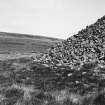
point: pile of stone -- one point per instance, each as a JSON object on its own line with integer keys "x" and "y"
{"x": 79, "y": 62}
{"x": 88, "y": 45}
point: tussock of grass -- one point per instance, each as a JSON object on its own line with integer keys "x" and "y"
{"x": 26, "y": 89}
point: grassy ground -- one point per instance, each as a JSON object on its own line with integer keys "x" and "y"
{"x": 25, "y": 82}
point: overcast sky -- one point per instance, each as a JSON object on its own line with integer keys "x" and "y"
{"x": 53, "y": 18}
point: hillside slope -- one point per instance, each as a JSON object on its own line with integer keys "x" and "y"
{"x": 22, "y": 43}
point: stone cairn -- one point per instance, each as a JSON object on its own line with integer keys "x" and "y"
{"x": 88, "y": 45}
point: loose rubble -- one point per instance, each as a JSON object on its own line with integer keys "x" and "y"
{"x": 88, "y": 45}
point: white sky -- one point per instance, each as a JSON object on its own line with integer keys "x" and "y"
{"x": 53, "y": 18}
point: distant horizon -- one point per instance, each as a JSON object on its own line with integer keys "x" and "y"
{"x": 49, "y": 18}
{"x": 30, "y": 35}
